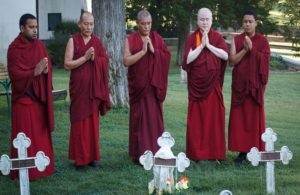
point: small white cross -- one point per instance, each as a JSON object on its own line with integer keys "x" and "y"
{"x": 226, "y": 192}
{"x": 23, "y": 163}
{"x": 163, "y": 163}
{"x": 270, "y": 156}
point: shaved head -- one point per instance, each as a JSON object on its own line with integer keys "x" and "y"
{"x": 143, "y": 14}
{"x": 204, "y": 20}
{"x": 204, "y": 11}
{"x": 85, "y": 13}
{"x": 86, "y": 23}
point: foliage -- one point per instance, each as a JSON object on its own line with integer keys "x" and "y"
{"x": 174, "y": 18}
{"x": 56, "y": 45}
{"x": 169, "y": 16}
{"x": 278, "y": 64}
{"x": 262, "y": 10}
{"x": 291, "y": 30}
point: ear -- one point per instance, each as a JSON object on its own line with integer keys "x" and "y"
{"x": 22, "y": 29}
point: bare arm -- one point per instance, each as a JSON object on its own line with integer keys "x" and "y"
{"x": 128, "y": 58}
{"x": 69, "y": 63}
{"x": 193, "y": 54}
{"x": 220, "y": 53}
{"x": 235, "y": 58}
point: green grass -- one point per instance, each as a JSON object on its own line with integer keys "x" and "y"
{"x": 117, "y": 175}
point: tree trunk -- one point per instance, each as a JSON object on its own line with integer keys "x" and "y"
{"x": 184, "y": 30}
{"x": 110, "y": 27}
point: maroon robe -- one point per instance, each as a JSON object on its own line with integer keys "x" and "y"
{"x": 89, "y": 94}
{"x": 205, "y": 136}
{"x": 249, "y": 79}
{"x": 147, "y": 83}
{"x": 32, "y": 105}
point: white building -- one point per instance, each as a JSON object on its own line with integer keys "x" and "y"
{"x": 48, "y": 12}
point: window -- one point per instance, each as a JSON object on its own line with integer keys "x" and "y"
{"x": 53, "y": 20}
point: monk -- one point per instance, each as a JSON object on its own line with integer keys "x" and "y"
{"x": 30, "y": 72}
{"x": 205, "y": 58}
{"x": 86, "y": 57}
{"x": 250, "y": 57}
{"x": 147, "y": 58}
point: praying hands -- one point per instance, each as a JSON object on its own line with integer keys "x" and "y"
{"x": 41, "y": 67}
{"x": 247, "y": 44}
{"x": 89, "y": 54}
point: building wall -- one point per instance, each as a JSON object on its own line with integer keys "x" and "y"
{"x": 10, "y": 13}
{"x": 69, "y": 9}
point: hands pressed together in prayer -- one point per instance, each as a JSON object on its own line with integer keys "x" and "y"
{"x": 41, "y": 67}
{"x": 89, "y": 54}
{"x": 247, "y": 44}
{"x": 193, "y": 54}
{"x": 205, "y": 41}
{"x": 130, "y": 59}
{"x": 147, "y": 44}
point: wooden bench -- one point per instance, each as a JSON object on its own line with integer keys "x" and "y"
{"x": 5, "y": 82}
{"x": 60, "y": 94}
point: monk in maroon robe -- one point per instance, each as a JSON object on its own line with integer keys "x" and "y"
{"x": 30, "y": 71}
{"x": 250, "y": 57}
{"x": 204, "y": 60}
{"x": 86, "y": 58}
{"x": 147, "y": 58}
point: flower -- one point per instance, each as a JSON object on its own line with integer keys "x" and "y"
{"x": 182, "y": 184}
{"x": 169, "y": 181}
{"x": 184, "y": 179}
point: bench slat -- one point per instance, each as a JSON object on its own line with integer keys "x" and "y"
{"x": 3, "y": 72}
{"x": 57, "y": 94}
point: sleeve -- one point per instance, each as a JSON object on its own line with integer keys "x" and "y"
{"x": 162, "y": 58}
{"x": 263, "y": 59}
{"x": 187, "y": 47}
{"x": 222, "y": 45}
{"x": 15, "y": 72}
{"x": 100, "y": 87}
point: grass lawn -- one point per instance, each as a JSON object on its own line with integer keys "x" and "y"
{"x": 117, "y": 175}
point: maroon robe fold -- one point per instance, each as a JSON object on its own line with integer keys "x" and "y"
{"x": 89, "y": 94}
{"x": 205, "y": 136}
{"x": 147, "y": 83}
{"x": 32, "y": 105}
{"x": 249, "y": 79}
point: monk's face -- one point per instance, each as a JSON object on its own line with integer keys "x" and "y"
{"x": 204, "y": 20}
{"x": 29, "y": 30}
{"x": 249, "y": 24}
{"x": 86, "y": 25}
{"x": 144, "y": 25}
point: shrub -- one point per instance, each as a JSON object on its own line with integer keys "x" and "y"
{"x": 277, "y": 63}
{"x": 56, "y": 45}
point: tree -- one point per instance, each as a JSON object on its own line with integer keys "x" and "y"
{"x": 168, "y": 16}
{"x": 178, "y": 15}
{"x": 291, "y": 10}
{"x": 262, "y": 10}
{"x": 110, "y": 26}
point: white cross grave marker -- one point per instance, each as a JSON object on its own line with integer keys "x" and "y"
{"x": 23, "y": 163}
{"x": 225, "y": 192}
{"x": 163, "y": 163}
{"x": 270, "y": 156}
